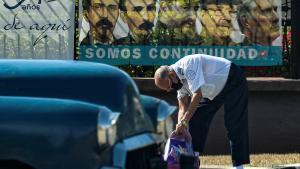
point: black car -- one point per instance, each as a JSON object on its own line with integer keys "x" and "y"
{"x": 136, "y": 125}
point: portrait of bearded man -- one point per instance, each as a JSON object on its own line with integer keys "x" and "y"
{"x": 102, "y": 16}
{"x": 140, "y": 16}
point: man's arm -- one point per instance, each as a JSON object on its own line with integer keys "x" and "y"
{"x": 181, "y": 129}
{"x": 183, "y": 104}
{"x": 196, "y": 98}
{"x": 185, "y": 117}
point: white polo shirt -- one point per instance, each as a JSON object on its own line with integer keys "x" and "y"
{"x": 200, "y": 71}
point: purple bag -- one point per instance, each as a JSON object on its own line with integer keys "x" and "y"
{"x": 175, "y": 147}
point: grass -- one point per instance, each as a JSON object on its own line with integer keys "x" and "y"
{"x": 257, "y": 160}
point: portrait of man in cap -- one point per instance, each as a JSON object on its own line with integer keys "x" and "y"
{"x": 217, "y": 17}
{"x": 177, "y": 22}
{"x": 102, "y": 16}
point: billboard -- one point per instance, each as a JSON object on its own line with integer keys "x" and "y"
{"x": 156, "y": 32}
{"x": 37, "y": 29}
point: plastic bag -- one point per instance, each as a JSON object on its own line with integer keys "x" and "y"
{"x": 176, "y": 148}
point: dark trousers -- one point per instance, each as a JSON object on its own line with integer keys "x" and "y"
{"x": 234, "y": 97}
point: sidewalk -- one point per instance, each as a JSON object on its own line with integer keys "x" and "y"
{"x": 227, "y": 167}
{"x": 288, "y": 166}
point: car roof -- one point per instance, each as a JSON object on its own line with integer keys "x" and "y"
{"x": 90, "y": 82}
{"x": 14, "y": 67}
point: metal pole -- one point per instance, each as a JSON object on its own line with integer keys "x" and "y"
{"x": 295, "y": 59}
{"x": 4, "y": 46}
{"x": 63, "y": 48}
{"x": 19, "y": 46}
{"x": 76, "y": 30}
{"x": 31, "y": 47}
{"x": 59, "y": 45}
{"x": 286, "y": 49}
{"x": 46, "y": 48}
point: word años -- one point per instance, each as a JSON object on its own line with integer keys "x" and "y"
{"x": 25, "y": 7}
{"x": 30, "y": 7}
{"x": 18, "y": 4}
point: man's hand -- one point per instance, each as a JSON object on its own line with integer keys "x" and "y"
{"x": 182, "y": 131}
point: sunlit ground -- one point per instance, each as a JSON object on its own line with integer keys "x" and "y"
{"x": 257, "y": 160}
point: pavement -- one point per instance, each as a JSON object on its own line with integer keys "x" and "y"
{"x": 228, "y": 167}
{"x": 287, "y": 166}
{"x": 290, "y": 166}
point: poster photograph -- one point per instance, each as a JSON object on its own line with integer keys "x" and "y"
{"x": 156, "y": 32}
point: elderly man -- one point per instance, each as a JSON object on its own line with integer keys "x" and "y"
{"x": 102, "y": 16}
{"x": 259, "y": 22}
{"x": 204, "y": 83}
{"x": 140, "y": 16}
